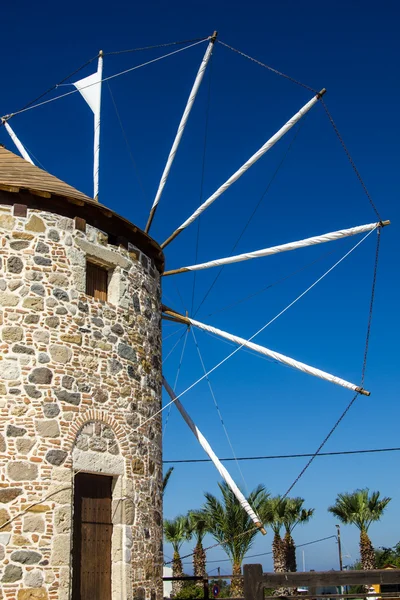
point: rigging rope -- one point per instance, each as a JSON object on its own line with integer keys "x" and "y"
{"x": 218, "y": 410}
{"x": 364, "y": 366}
{"x": 149, "y": 62}
{"x": 271, "y": 285}
{"x": 265, "y": 192}
{"x": 176, "y": 378}
{"x": 53, "y": 87}
{"x": 356, "y": 171}
{"x": 203, "y": 39}
{"x": 258, "y": 62}
{"x": 258, "y": 332}
{"x": 134, "y": 163}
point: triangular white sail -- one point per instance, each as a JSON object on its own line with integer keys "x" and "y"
{"x": 18, "y": 143}
{"x": 217, "y": 463}
{"x": 90, "y": 89}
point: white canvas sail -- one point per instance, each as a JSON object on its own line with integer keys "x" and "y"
{"x": 90, "y": 89}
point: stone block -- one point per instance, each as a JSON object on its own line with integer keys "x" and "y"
{"x": 32, "y": 391}
{"x": 47, "y": 428}
{"x": 34, "y": 522}
{"x": 21, "y": 349}
{"x": 25, "y": 445}
{"x": 61, "y": 549}
{"x": 60, "y": 354}
{"x": 56, "y": 457}
{"x": 62, "y": 519}
{"x": 4, "y": 517}
{"x": 12, "y": 334}
{"x": 53, "y": 322}
{"x": 51, "y": 410}
{"x": 14, "y": 264}
{"x": 7, "y": 299}
{"x": 41, "y": 375}
{"x": 59, "y": 280}
{"x": 33, "y": 303}
{"x": 12, "y": 573}
{"x": 34, "y": 579}
{"x": 7, "y": 222}
{"x": 38, "y": 288}
{"x": 26, "y": 557}
{"x": 19, "y": 470}
{"x": 103, "y": 254}
{"x": 9, "y": 370}
{"x": 43, "y": 358}
{"x": 35, "y": 224}
{"x": 33, "y": 594}
{"x": 127, "y": 352}
{"x": 70, "y": 397}
{"x": 13, "y": 431}
{"x": 41, "y": 336}
{"x": 9, "y": 494}
{"x": 72, "y": 338}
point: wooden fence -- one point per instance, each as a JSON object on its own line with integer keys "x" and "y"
{"x": 255, "y": 581}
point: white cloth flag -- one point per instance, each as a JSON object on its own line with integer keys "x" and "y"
{"x": 90, "y": 89}
{"x": 217, "y": 463}
{"x": 18, "y": 143}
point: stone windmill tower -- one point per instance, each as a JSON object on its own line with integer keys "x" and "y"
{"x": 80, "y": 371}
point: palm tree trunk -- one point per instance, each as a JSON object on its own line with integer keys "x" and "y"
{"x": 367, "y": 552}
{"x": 199, "y": 563}
{"x": 290, "y": 553}
{"x": 278, "y": 553}
{"x": 237, "y": 588}
{"x": 177, "y": 571}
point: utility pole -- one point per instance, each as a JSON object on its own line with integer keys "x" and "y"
{"x": 340, "y": 553}
{"x": 339, "y": 548}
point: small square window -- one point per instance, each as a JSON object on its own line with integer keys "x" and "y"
{"x": 96, "y": 281}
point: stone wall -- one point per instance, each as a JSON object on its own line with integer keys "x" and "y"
{"x": 77, "y": 379}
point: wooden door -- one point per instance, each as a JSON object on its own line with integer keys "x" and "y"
{"x": 92, "y": 537}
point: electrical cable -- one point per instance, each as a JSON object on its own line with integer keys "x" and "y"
{"x": 281, "y": 456}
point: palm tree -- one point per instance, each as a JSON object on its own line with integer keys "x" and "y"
{"x": 166, "y": 479}
{"x": 176, "y": 531}
{"x": 294, "y": 515}
{"x": 361, "y": 508}
{"x": 276, "y": 513}
{"x": 198, "y": 525}
{"x": 230, "y": 525}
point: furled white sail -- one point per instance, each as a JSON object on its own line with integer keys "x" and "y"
{"x": 217, "y": 463}
{"x": 286, "y": 360}
{"x": 253, "y": 159}
{"x": 181, "y": 128}
{"x": 311, "y": 241}
{"x": 18, "y": 143}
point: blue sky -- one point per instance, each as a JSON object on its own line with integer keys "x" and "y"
{"x": 351, "y": 48}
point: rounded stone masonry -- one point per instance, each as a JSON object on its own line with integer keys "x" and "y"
{"x": 80, "y": 371}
